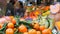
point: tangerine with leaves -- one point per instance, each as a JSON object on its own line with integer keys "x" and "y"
{"x": 1, "y": 25}
{"x": 32, "y": 31}
{"x": 11, "y": 17}
{"x": 36, "y": 26}
{"x": 42, "y": 28}
{"x": 10, "y": 25}
{"x": 46, "y": 31}
{"x": 9, "y": 31}
{"x": 13, "y": 21}
{"x": 22, "y": 28}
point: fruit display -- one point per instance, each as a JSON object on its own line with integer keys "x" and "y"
{"x": 36, "y": 21}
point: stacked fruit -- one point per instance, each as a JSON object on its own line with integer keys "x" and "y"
{"x": 33, "y": 12}
{"x": 16, "y": 26}
{"x": 36, "y": 22}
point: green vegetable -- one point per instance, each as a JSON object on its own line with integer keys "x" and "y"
{"x": 47, "y": 24}
{"x": 51, "y": 23}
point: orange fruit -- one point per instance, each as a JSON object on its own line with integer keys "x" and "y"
{"x": 42, "y": 28}
{"x": 10, "y": 25}
{"x": 1, "y": 25}
{"x": 58, "y": 25}
{"x": 46, "y": 8}
{"x": 13, "y": 21}
{"x": 37, "y": 12}
{"x": 32, "y": 31}
{"x": 36, "y": 26}
{"x": 9, "y": 31}
{"x": 11, "y": 17}
{"x": 15, "y": 29}
{"x": 50, "y": 31}
{"x": 38, "y": 32}
{"x": 22, "y": 28}
{"x": 46, "y": 31}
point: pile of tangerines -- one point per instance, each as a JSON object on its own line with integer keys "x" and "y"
{"x": 22, "y": 28}
{"x": 37, "y": 29}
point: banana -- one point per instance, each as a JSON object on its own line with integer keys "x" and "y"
{"x": 46, "y": 13}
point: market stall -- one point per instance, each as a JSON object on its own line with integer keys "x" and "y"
{"x": 43, "y": 19}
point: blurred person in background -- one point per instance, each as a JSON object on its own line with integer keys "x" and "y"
{"x": 39, "y": 2}
{"x": 15, "y": 7}
{"x": 19, "y": 9}
{"x": 58, "y": 0}
{"x": 10, "y": 8}
{"x": 23, "y": 1}
{"x": 48, "y": 2}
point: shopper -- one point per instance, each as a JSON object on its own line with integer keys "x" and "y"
{"x": 58, "y": 0}
{"x": 19, "y": 9}
{"x": 10, "y": 8}
{"x": 39, "y": 2}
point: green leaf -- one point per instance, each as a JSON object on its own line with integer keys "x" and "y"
{"x": 28, "y": 25}
{"x": 20, "y": 33}
{"x": 16, "y": 31}
{"x": 17, "y": 22}
{"x": 4, "y": 27}
{"x": 1, "y": 32}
